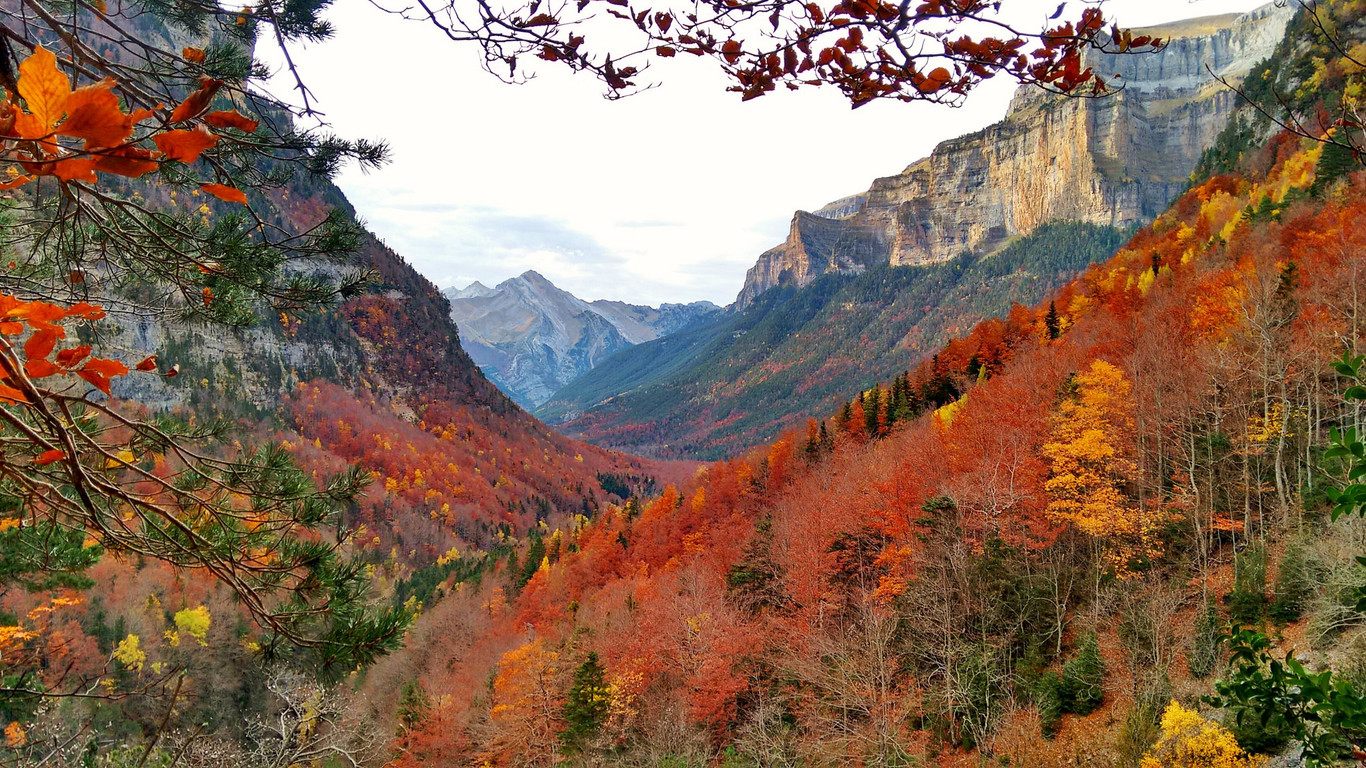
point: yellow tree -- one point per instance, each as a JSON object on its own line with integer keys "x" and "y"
{"x": 1190, "y": 741}
{"x": 1088, "y": 468}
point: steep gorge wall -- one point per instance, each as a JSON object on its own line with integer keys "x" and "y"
{"x": 1112, "y": 161}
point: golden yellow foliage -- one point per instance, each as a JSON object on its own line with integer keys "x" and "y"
{"x": 130, "y": 653}
{"x": 194, "y": 622}
{"x": 1190, "y": 741}
{"x": 1087, "y": 471}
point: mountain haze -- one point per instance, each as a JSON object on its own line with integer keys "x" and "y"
{"x": 531, "y": 337}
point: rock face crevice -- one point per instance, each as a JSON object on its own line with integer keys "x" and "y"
{"x": 1113, "y": 161}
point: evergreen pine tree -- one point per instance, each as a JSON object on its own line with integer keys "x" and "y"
{"x": 1336, "y": 161}
{"x": 1083, "y": 678}
{"x": 413, "y": 705}
{"x": 756, "y": 581}
{"x": 872, "y": 409}
{"x": 1051, "y": 322}
{"x": 586, "y": 707}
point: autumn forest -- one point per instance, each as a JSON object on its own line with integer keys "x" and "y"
{"x": 1097, "y": 499}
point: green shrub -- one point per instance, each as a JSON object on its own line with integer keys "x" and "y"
{"x": 1141, "y": 730}
{"x": 1247, "y": 600}
{"x": 1204, "y": 648}
{"x": 1296, "y": 581}
{"x": 1083, "y": 678}
{"x": 1079, "y": 690}
{"x": 1048, "y": 696}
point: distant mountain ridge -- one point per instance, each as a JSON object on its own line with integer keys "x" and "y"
{"x": 531, "y": 337}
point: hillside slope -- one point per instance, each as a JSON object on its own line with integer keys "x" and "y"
{"x": 1030, "y": 572}
{"x": 713, "y": 390}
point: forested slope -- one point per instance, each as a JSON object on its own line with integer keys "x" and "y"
{"x": 713, "y": 390}
{"x": 1029, "y": 563}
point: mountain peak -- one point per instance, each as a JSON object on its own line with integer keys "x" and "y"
{"x": 472, "y": 291}
{"x": 532, "y": 337}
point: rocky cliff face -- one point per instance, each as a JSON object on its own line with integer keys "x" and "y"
{"x": 531, "y": 338}
{"x": 1112, "y": 161}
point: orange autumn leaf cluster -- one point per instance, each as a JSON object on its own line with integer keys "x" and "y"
{"x": 43, "y": 360}
{"x": 51, "y": 111}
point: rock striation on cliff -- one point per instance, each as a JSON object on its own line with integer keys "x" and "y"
{"x": 1111, "y": 161}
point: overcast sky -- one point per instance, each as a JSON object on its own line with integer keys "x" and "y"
{"x": 668, "y": 195}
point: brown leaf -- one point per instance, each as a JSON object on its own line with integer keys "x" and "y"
{"x": 225, "y": 193}
{"x": 197, "y": 102}
{"x": 93, "y": 114}
{"x": 231, "y": 118}
{"x": 127, "y": 161}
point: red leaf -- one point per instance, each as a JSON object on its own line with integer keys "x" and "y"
{"x": 40, "y": 344}
{"x": 72, "y": 355}
{"x": 98, "y": 372}
{"x": 11, "y": 395}
{"x": 106, "y": 367}
{"x": 97, "y": 380}
{"x": 85, "y": 311}
{"x": 41, "y": 368}
{"x": 149, "y": 363}
{"x": 47, "y": 457}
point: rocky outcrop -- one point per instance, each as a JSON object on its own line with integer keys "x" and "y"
{"x": 1114, "y": 161}
{"x": 531, "y": 338}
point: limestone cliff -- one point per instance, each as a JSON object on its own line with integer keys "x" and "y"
{"x": 1114, "y": 161}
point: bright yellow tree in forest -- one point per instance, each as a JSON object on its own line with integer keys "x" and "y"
{"x": 1190, "y": 741}
{"x": 1088, "y": 470}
